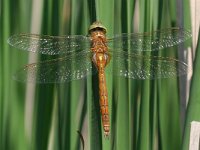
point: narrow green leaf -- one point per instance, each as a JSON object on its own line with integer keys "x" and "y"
{"x": 193, "y": 110}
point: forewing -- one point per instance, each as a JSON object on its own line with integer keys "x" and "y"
{"x": 151, "y": 41}
{"x": 71, "y": 67}
{"x": 51, "y": 45}
{"x": 146, "y": 67}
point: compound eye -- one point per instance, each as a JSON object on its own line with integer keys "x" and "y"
{"x": 97, "y": 26}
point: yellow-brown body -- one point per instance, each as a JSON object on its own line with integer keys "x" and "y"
{"x": 101, "y": 59}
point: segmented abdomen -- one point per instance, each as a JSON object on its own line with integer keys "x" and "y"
{"x": 103, "y": 94}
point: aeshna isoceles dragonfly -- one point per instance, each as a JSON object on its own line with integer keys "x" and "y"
{"x": 79, "y": 52}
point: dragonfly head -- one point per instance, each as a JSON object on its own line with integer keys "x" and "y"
{"x": 97, "y": 25}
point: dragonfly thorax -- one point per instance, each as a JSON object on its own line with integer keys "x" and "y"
{"x": 99, "y": 49}
{"x": 99, "y": 42}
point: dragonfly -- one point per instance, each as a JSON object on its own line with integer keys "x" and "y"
{"x": 78, "y": 54}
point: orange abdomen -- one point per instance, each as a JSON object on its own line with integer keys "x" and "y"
{"x": 103, "y": 94}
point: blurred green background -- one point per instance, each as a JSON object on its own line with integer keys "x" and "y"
{"x": 145, "y": 115}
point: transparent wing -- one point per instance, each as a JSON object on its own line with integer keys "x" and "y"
{"x": 59, "y": 70}
{"x": 149, "y": 41}
{"x": 146, "y": 67}
{"x": 51, "y": 45}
